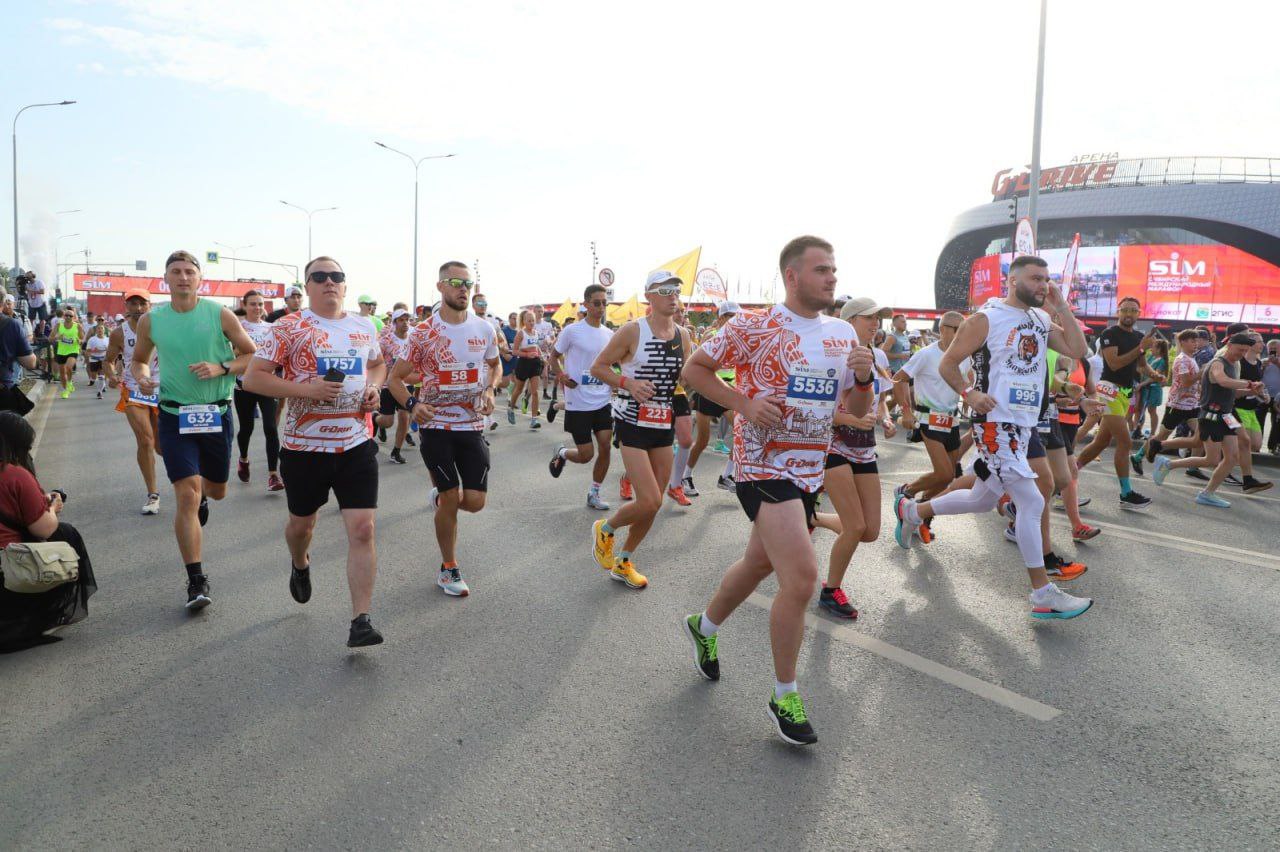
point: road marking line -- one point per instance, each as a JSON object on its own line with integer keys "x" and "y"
{"x": 969, "y": 683}
{"x": 1197, "y": 488}
{"x": 1186, "y": 545}
{"x": 43, "y": 407}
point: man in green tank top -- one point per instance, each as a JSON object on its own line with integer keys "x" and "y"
{"x": 202, "y": 347}
{"x": 67, "y": 337}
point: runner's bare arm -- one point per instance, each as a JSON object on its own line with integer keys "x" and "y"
{"x": 400, "y": 371}
{"x": 140, "y": 368}
{"x": 618, "y": 350}
{"x": 1066, "y": 337}
{"x": 240, "y": 341}
{"x": 858, "y": 399}
{"x": 115, "y": 346}
{"x": 968, "y": 340}
{"x": 700, "y": 375}
{"x": 902, "y": 396}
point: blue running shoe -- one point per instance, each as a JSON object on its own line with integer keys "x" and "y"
{"x": 1161, "y": 470}
{"x": 1204, "y": 498}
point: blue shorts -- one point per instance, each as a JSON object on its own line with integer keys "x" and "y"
{"x": 207, "y": 454}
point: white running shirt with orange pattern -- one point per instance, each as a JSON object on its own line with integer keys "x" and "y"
{"x": 451, "y": 359}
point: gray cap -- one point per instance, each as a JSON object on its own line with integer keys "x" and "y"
{"x": 864, "y": 306}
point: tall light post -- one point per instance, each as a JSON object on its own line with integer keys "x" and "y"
{"x": 1033, "y": 205}
{"x": 416, "y": 163}
{"x": 15, "y": 170}
{"x": 57, "y": 272}
{"x": 309, "y": 213}
{"x": 235, "y": 250}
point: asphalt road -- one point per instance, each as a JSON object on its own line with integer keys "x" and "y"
{"x": 556, "y": 708}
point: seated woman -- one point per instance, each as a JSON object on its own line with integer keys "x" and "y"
{"x": 28, "y": 513}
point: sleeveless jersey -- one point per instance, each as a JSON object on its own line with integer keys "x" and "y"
{"x": 1010, "y": 364}
{"x": 656, "y": 361}
{"x": 130, "y": 340}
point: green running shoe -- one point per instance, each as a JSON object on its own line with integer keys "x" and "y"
{"x": 790, "y": 719}
{"x": 705, "y": 658}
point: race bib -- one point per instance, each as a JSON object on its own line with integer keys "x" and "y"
{"x": 346, "y": 360}
{"x": 1231, "y": 421}
{"x": 588, "y": 379}
{"x": 941, "y": 422}
{"x": 1044, "y": 427}
{"x": 139, "y": 398}
{"x": 653, "y": 416}
{"x": 199, "y": 419}
{"x": 458, "y": 376}
{"x": 1024, "y": 396}
{"x": 812, "y": 388}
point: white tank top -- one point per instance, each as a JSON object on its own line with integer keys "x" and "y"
{"x": 130, "y": 340}
{"x": 1010, "y": 365}
{"x": 656, "y": 361}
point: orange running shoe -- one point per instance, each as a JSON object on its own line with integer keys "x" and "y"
{"x": 624, "y": 488}
{"x": 1060, "y": 569}
{"x": 678, "y": 495}
{"x": 1084, "y": 532}
{"x": 925, "y": 533}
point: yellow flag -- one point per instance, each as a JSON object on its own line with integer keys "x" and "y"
{"x": 563, "y": 312}
{"x": 627, "y": 311}
{"x": 684, "y": 267}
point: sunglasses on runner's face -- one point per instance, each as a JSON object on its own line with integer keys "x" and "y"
{"x": 321, "y": 277}
{"x": 665, "y": 291}
{"x": 598, "y": 303}
{"x": 460, "y": 283}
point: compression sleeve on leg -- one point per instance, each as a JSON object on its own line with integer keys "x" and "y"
{"x": 1030, "y": 502}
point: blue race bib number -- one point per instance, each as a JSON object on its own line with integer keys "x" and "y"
{"x": 199, "y": 419}
{"x": 588, "y": 379}
{"x": 812, "y": 388}
{"x": 137, "y": 397}
{"x": 350, "y": 365}
{"x": 1025, "y": 397}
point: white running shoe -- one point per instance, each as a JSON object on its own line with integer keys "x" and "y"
{"x": 594, "y": 502}
{"x": 1056, "y": 603}
{"x": 450, "y": 581}
{"x": 152, "y": 506}
{"x": 433, "y": 498}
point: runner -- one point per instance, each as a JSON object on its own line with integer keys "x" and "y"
{"x": 1007, "y": 339}
{"x": 586, "y": 399}
{"x": 852, "y": 476}
{"x": 1219, "y": 426}
{"x": 1123, "y": 353}
{"x": 259, "y": 330}
{"x": 292, "y": 304}
{"x": 193, "y": 339}
{"x": 1183, "y": 406}
{"x": 651, "y": 350}
{"x": 68, "y": 335}
{"x": 1247, "y": 407}
{"x": 395, "y": 346}
{"x": 683, "y": 423}
{"x": 95, "y": 349}
{"x": 529, "y": 366}
{"x": 705, "y": 410}
{"x": 457, "y": 356}
{"x": 331, "y": 372}
{"x": 1073, "y": 391}
{"x": 369, "y": 310}
{"x": 792, "y": 364}
{"x": 938, "y": 405}
{"x": 139, "y": 409}
{"x": 896, "y": 347}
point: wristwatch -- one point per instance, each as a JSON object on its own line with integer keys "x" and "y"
{"x": 226, "y": 368}
{"x": 410, "y": 403}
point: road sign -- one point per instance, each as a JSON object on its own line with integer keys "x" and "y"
{"x": 139, "y": 266}
{"x": 606, "y": 277}
{"x": 211, "y": 257}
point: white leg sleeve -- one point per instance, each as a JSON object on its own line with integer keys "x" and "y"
{"x": 980, "y": 498}
{"x": 1026, "y": 496}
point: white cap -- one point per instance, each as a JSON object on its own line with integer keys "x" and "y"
{"x": 8, "y": 297}
{"x": 294, "y": 288}
{"x": 658, "y": 277}
{"x": 119, "y": 317}
{"x": 728, "y": 308}
{"x": 399, "y": 312}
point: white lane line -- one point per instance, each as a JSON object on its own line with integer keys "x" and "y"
{"x": 1186, "y": 545}
{"x": 1110, "y": 474}
{"x": 40, "y": 416}
{"x": 969, "y": 683}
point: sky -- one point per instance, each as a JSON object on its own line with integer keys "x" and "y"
{"x": 649, "y": 129}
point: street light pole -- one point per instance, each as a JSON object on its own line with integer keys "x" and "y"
{"x": 309, "y": 213}
{"x": 15, "y": 170}
{"x": 1033, "y": 206}
{"x": 56, "y": 270}
{"x": 236, "y": 250}
{"x": 416, "y": 164}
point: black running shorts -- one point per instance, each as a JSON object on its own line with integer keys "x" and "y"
{"x": 528, "y": 368}
{"x": 581, "y": 425}
{"x": 1175, "y": 417}
{"x": 642, "y": 437}
{"x": 752, "y": 494}
{"x": 455, "y": 458}
{"x": 351, "y": 476}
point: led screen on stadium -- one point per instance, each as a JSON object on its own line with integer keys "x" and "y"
{"x": 1218, "y": 284}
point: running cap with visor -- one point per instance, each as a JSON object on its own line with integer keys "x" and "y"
{"x": 138, "y": 293}
{"x": 366, "y": 299}
{"x": 660, "y": 277}
{"x": 864, "y": 306}
{"x": 727, "y": 308}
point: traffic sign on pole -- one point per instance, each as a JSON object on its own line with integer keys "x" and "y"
{"x": 211, "y": 257}
{"x": 606, "y": 277}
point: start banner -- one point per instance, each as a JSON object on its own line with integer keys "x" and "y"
{"x": 119, "y": 284}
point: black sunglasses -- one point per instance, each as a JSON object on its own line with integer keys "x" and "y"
{"x": 321, "y": 277}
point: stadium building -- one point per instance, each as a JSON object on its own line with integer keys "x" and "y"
{"x": 1195, "y": 239}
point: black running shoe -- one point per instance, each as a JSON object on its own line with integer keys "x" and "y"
{"x": 363, "y": 632}
{"x": 1136, "y": 462}
{"x": 300, "y": 583}
{"x": 203, "y": 512}
{"x": 1135, "y": 502}
{"x": 551, "y": 413}
{"x": 837, "y": 603}
{"x": 790, "y": 719}
{"x": 705, "y": 655}
{"x": 1253, "y": 486}
{"x": 408, "y": 440}
{"x": 1232, "y": 479}
{"x": 396, "y": 458}
{"x": 198, "y": 592}
{"x": 1197, "y": 473}
{"x": 382, "y": 434}
{"x": 556, "y": 465}
{"x": 1153, "y": 449}
{"x": 727, "y": 483}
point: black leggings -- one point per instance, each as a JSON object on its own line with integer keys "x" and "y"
{"x": 245, "y": 403}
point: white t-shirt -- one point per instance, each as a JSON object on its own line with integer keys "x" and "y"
{"x": 931, "y": 391}
{"x": 882, "y": 385}
{"x": 35, "y": 293}
{"x": 305, "y": 345}
{"x": 258, "y": 331}
{"x": 96, "y": 347}
{"x": 580, "y": 344}
{"x": 800, "y": 362}
{"x": 452, "y": 360}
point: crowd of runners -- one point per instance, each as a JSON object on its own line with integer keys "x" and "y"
{"x": 1002, "y": 401}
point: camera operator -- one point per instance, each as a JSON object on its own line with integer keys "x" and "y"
{"x": 31, "y": 290}
{"x": 29, "y": 513}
